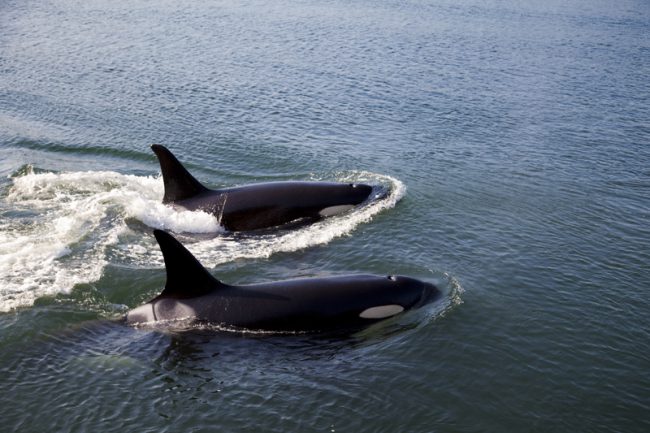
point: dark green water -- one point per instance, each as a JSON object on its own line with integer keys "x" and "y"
{"x": 514, "y": 138}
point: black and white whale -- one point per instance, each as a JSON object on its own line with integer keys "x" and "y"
{"x": 310, "y": 304}
{"x": 261, "y": 205}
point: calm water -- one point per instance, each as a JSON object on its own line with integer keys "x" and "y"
{"x": 514, "y": 138}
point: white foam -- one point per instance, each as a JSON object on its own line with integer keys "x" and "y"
{"x": 64, "y": 228}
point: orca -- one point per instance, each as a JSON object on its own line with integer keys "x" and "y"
{"x": 192, "y": 294}
{"x": 260, "y": 205}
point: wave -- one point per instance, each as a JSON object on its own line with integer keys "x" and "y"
{"x": 59, "y": 230}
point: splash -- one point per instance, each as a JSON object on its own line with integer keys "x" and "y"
{"x": 58, "y": 230}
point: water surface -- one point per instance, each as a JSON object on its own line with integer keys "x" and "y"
{"x": 513, "y": 138}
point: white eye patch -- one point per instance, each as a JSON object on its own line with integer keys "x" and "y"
{"x": 381, "y": 311}
{"x": 335, "y": 210}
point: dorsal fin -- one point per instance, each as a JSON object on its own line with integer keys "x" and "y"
{"x": 179, "y": 183}
{"x": 186, "y": 277}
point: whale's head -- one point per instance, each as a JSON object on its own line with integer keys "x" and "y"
{"x": 416, "y": 293}
{"x": 422, "y": 292}
{"x": 359, "y": 192}
{"x": 392, "y": 294}
{"x": 341, "y": 197}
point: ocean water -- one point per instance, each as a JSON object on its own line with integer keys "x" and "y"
{"x": 513, "y": 138}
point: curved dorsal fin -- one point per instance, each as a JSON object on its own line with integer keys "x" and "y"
{"x": 186, "y": 277}
{"x": 179, "y": 183}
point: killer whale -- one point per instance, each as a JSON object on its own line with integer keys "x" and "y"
{"x": 261, "y": 205}
{"x": 305, "y": 305}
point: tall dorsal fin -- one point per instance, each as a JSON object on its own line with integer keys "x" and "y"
{"x": 186, "y": 277}
{"x": 179, "y": 183}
